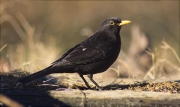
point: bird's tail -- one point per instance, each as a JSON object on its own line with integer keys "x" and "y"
{"x": 36, "y": 75}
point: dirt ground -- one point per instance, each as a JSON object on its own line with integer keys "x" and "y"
{"x": 9, "y": 81}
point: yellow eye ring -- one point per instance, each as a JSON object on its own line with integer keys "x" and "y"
{"x": 111, "y": 23}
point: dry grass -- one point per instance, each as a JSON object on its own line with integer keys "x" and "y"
{"x": 30, "y": 54}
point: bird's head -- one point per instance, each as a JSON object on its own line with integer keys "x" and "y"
{"x": 113, "y": 24}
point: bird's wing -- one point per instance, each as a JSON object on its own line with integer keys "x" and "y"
{"x": 84, "y": 53}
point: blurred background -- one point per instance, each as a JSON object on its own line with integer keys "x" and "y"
{"x": 36, "y": 33}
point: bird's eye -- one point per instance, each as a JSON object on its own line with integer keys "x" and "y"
{"x": 111, "y": 23}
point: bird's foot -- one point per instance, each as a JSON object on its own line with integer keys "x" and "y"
{"x": 98, "y": 88}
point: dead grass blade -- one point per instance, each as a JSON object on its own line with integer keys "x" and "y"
{"x": 167, "y": 46}
{"x": 3, "y": 47}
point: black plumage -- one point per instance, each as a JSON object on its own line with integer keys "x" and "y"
{"x": 94, "y": 55}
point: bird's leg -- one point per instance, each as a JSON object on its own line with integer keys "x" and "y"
{"x": 90, "y": 76}
{"x": 85, "y": 81}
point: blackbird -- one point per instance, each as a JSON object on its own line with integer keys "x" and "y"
{"x": 94, "y": 55}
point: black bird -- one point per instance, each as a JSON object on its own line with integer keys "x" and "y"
{"x": 94, "y": 55}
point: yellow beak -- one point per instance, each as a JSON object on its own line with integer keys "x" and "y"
{"x": 124, "y": 22}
